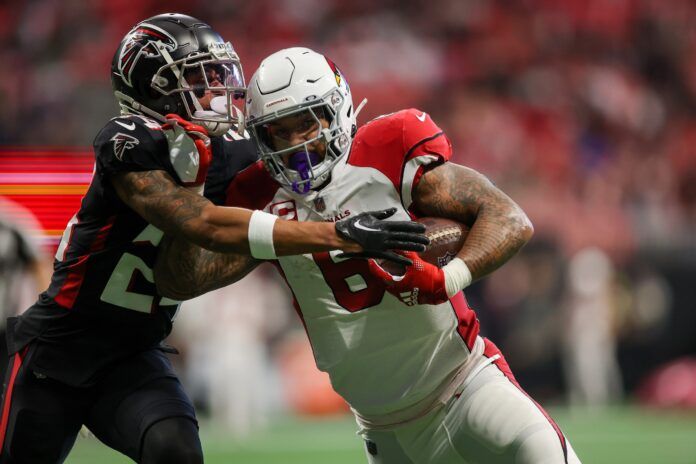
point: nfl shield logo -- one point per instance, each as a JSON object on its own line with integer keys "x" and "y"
{"x": 319, "y": 204}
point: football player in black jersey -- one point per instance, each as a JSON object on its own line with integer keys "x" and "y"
{"x": 89, "y": 350}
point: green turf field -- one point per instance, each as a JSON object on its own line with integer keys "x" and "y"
{"x": 617, "y": 435}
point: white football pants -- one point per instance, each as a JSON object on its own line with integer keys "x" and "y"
{"x": 492, "y": 421}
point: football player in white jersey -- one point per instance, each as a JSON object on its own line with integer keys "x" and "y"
{"x": 423, "y": 385}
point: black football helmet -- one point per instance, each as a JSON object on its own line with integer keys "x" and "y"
{"x": 166, "y": 63}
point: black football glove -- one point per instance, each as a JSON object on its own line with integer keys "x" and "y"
{"x": 378, "y": 237}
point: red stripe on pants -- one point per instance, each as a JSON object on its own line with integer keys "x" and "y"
{"x": 16, "y": 364}
{"x": 491, "y": 350}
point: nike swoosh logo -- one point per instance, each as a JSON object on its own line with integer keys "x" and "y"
{"x": 421, "y": 117}
{"x": 362, "y": 227}
{"x": 130, "y": 126}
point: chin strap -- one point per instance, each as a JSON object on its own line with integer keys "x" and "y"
{"x": 127, "y": 105}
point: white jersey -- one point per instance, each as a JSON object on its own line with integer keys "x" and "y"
{"x": 383, "y": 357}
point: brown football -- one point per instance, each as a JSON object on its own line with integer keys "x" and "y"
{"x": 446, "y": 239}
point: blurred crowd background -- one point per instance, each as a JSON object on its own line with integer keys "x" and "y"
{"x": 584, "y": 111}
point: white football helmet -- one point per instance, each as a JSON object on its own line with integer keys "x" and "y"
{"x": 291, "y": 82}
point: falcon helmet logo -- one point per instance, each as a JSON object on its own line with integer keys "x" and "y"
{"x": 123, "y": 142}
{"x": 142, "y": 40}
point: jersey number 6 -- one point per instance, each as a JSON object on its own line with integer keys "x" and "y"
{"x": 350, "y": 281}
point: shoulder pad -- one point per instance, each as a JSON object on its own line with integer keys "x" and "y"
{"x": 130, "y": 143}
{"x": 135, "y": 126}
{"x": 399, "y": 143}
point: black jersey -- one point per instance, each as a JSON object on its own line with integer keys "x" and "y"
{"x": 102, "y": 303}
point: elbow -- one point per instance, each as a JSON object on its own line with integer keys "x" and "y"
{"x": 170, "y": 291}
{"x": 169, "y": 286}
{"x": 526, "y": 228}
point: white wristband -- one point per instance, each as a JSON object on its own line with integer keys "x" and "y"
{"x": 261, "y": 235}
{"x": 457, "y": 276}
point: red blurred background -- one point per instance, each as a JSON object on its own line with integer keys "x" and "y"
{"x": 583, "y": 111}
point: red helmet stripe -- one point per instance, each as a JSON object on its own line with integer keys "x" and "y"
{"x": 150, "y": 32}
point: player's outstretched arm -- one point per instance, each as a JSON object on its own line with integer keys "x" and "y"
{"x": 179, "y": 212}
{"x": 184, "y": 270}
{"x": 499, "y": 227}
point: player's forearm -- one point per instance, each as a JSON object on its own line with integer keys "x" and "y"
{"x": 181, "y": 213}
{"x": 184, "y": 270}
{"x": 497, "y": 234}
{"x": 499, "y": 227}
{"x": 289, "y": 237}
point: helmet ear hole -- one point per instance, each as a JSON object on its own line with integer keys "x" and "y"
{"x": 160, "y": 81}
{"x": 353, "y": 130}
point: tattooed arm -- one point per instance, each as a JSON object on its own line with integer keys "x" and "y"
{"x": 184, "y": 270}
{"x": 179, "y": 212}
{"x": 499, "y": 227}
{"x": 188, "y": 217}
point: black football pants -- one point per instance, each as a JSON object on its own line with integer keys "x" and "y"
{"x": 151, "y": 420}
